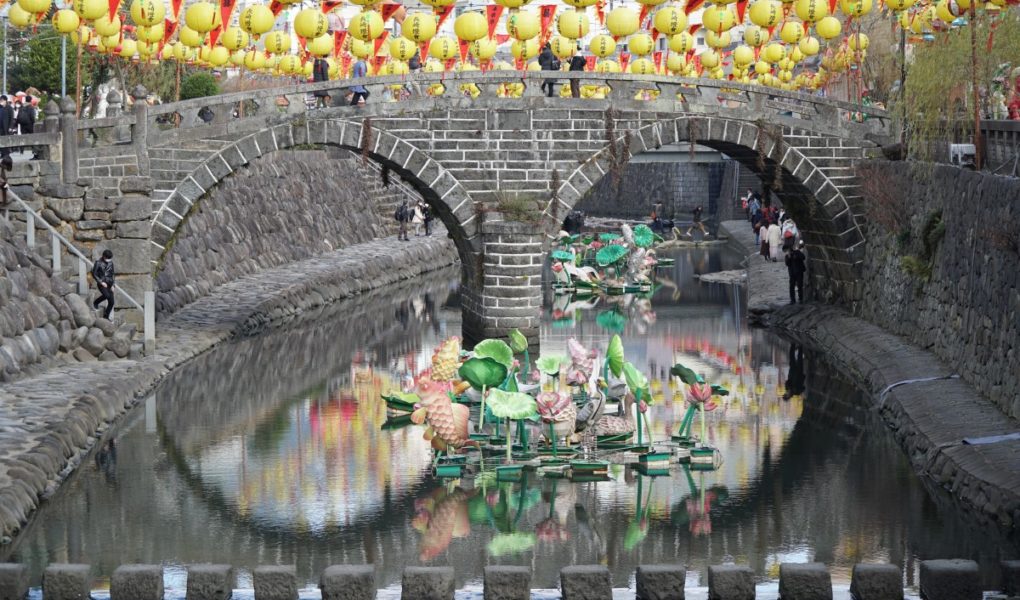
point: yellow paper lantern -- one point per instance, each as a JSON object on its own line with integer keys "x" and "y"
{"x": 755, "y": 36}
{"x": 152, "y": 35}
{"x": 774, "y": 53}
{"x": 718, "y": 40}
{"x": 622, "y": 21}
{"x": 483, "y": 49}
{"x": 812, "y": 11}
{"x": 106, "y": 26}
{"x": 766, "y": 13}
{"x": 900, "y": 5}
{"x": 366, "y": 26}
{"x": 237, "y": 58}
{"x": 581, "y": 3}
{"x": 512, "y": 4}
{"x": 362, "y": 49}
{"x": 334, "y": 69}
{"x": 676, "y": 63}
{"x": 641, "y": 66}
{"x": 525, "y": 49}
{"x": 762, "y": 68}
{"x": 289, "y": 64}
{"x": 182, "y": 53}
{"x": 233, "y": 38}
{"x": 310, "y": 23}
{"x": 828, "y": 28}
{"x": 640, "y": 44}
{"x": 439, "y": 3}
{"x": 809, "y": 46}
{"x": 795, "y": 55}
{"x": 718, "y": 18}
{"x": 743, "y": 55}
{"x": 402, "y": 48}
{"x": 396, "y": 68}
{"x": 710, "y": 59}
{"x": 128, "y": 48}
{"x": 188, "y": 36}
{"x": 203, "y": 17}
{"x": 858, "y": 41}
{"x": 256, "y": 19}
{"x": 218, "y": 56}
{"x": 523, "y": 25}
{"x": 419, "y": 27}
{"x": 89, "y": 10}
{"x": 670, "y": 20}
{"x": 682, "y": 42}
{"x": 791, "y": 32}
{"x": 947, "y": 11}
{"x": 35, "y": 6}
{"x": 471, "y": 26}
{"x": 443, "y": 48}
{"x": 602, "y": 45}
{"x": 146, "y": 13}
{"x": 322, "y": 46}
{"x": 855, "y": 8}
{"x": 572, "y": 24}
{"x": 84, "y": 34}
{"x": 66, "y": 21}
{"x": 608, "y": 66}
{"x": 563, "y": 47}
{"x": 277, "y": 42}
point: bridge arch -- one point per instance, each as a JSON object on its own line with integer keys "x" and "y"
{"x": 817, "y": 203}
{"x": 426, "y": 176}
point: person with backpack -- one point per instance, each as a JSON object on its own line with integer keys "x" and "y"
{"x": 103, "y": 273}
{"x": 402, "y": 216}
{"x": 548, "y": 61}
{"x": 796, "y": 266}
{"x": 577, "y": 63}
{"x": 427, "y": 212}
{"x": 26, "y": 121}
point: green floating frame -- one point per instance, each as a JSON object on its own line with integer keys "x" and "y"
{"x": 654, "y": 456}
{"x": 509, "y": 472}
{"x": 449, "y": 471}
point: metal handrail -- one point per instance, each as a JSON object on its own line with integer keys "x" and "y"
{"x": 34, "y": 216}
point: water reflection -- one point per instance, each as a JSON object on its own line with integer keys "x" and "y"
{"x": 277, "y": 449}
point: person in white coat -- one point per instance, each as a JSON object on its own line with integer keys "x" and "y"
{"x": 775, "y": 242}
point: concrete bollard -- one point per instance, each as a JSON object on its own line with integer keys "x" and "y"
{"x": 730, "y": 582}
{"x": 1011, "y": 577}
{"x": 210, "y": 582}
{"x": 804, "y": 581}
{"x": 348, "y": 582}
{"x": 507, "y": 583}
{"x": 951, "y": 579}
{"x": 876, "y": 582}
{"x": 137, "y": 582}
{"x": 275, "y": 583}
{"x": 661, "y": 582}
{"x": 13, "y": 581}
{"x": 586, "y": 582}
{"x": 427, "y": 583}
{"x": 67, "y": 582}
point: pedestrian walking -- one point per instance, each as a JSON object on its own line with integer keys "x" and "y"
{"x": 548, "y": 62}
{"x": 359, "y": 94}
{"x": 427, "y": 211}
{"x": 26, "y": 120}
{"x": 791, "y": 235}
{"x": 103, "y": 272}
{"x": 775, "y": 241}
{"x": 577, "y": 63}
{"x": 697, "y": 222}
{"x": 796, "y": 266}
{"x": 6, "y": 122}
{"x": 320, "y": 72}
{"x": 418, "y": 218}
{"x": 402, "y": 216}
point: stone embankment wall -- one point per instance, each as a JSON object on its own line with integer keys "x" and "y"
{"x": 967, "y": 310}
{"x": 680, "y": 186}
{"x": 282, "y": 207}
{"x": 42, "y": 320}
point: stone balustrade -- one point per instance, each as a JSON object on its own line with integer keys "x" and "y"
{"x": 953, "y": 579}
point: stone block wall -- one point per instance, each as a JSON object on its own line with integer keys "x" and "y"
{"x": 968, "y": 311}
{"x": 282, "y": 207}
{"x": 42, "y": 321}
{"x": 680, "y": 186}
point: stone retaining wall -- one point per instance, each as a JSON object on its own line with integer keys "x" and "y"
{"x": 680, "y": 186}
{"x": 282, "y": 207}
{"x": 939, "y": 580}
{"x": 968, "y": 311}
{"x": 42, "y": 321}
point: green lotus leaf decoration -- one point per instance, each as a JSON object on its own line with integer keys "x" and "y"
{"x": 510, "y": 543}
{"x": 401, "y": 400}
{"x": 587, "y": 240}
{"x": 606, "y": 238}
{"x": 611, "y": 320}
{"x": 643, "y": 236}
{"x": 478, "y": 510}
{"x": 482, "y": 372}
{"x": 635, "y": 379}
{"x": 611, "y": 254}
{"x": 686, "y": 375}
{"x": 636, "y": 533}
{"x": 563, "y": 255}
{"x": 551, "y": 364}
{"x": 518, "y": 343}
{"x": 497, "y": 350}
{"x": 614, "y": 354}
{"x": 719, "y": 390}
{"x": 511, "y": 405}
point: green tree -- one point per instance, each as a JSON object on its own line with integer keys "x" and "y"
{"x": 199, "y": 85}
{"x": 35, "y": 62}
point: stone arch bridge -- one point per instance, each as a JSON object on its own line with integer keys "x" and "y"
{"x": 500, "y": 172}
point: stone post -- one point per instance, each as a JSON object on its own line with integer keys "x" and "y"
{"x": 508, "y": 293}
{"x": 113, "y": 104}
{"x": 140, "y": 133}
{"x": 115, "y": 108}
{"x": 68, "y": 141}
{"x": 52, "y": 120}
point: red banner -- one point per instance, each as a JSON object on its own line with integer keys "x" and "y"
{"x": 329, "y": 5}
{"x": 442, "y": 14}
{"x": 600, "y": 12}
{"x": 492, "y": 14}
{"x": 463, "y": 49}
{"x": 624, "y": 61}
{"x": 377, "y": 63}
{"x": 546, "y": 12}
{"x": 388, "y": 8}
{"x": 277, "y": 7}
{"x": 345, "y": 65}
{"x": 339, "y": 37}
{"x": 502, "y": 38}
{"x": 175, "y": 9}
{"x": 693, "y": 5}
{"x": 589, "y": 63}
{"x": 425, "y": 50}
{"x": 169, "y": 27}
{"x": 693, "y": 28}
{"x": 114, "y": 5}
{"x": 832, "y": 7}
{"x": 226, "y": 11}
{"x": 379, "y": 41}
{"x": 214, "y": 35}
{"x": 645, "y": 8}
{"x": 741, "y": 9}
{"x": 449, "y": 64}
{"x": 657, "y": 57}
{"x": 519, "y": 64}
{"x": 655, "y": 35}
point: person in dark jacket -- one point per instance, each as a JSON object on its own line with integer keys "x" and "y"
{"x": 103, "y": 273}
{"x": 26, "y": 120}
{"x": 577, "y": 63}
{"x": 320, "y": 72}
{"x": 796, "y": 266}
{"x": 6, "y": 121}
{"x": 548, "y": 61}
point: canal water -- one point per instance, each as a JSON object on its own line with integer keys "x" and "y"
{"x": 274, "y": 449}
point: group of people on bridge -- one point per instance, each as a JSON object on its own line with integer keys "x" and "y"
{"x": 776, "y": 234}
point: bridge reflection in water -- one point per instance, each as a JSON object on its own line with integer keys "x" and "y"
{"x": 271, "y": 450}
